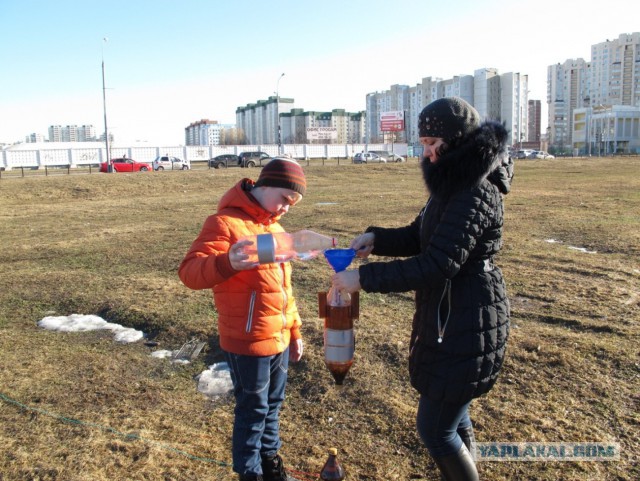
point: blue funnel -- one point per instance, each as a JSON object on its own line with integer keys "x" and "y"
{"x": 339, "y": 259}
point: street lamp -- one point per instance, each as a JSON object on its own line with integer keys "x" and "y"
{"x": 278, "y": 113}
{"x": 104, "y": 106}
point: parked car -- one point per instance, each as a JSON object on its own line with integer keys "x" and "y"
{"x": 539, "y": 154}
{"x": 225, "y": 160}
{"x": 396, "y": 158}
{"x": 124, "y": 164}
{"x": 170, "y": 163}
{"x": 251, "y": 159}
{"x": 366, "y": 157}
{"x": 523, "y": 154}
{"x": 388, "y": 156}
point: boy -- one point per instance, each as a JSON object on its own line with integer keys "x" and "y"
{"x": 258, "y": 321}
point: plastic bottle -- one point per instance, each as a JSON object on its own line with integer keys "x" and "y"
{"x": 339, "y": 309}
{"x": 332, "y": 471}
{"x": 283, "y": 247}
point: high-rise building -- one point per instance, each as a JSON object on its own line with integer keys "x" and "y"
{"x": 260, "y": 121}
{"x": 496, "y": 97}
{"x": 535, "y": 111}
{"x": 615, "y": 71}
{"x": 34, "y": 138}
{"x": 567, "y": 90}
{"x": 72, "y": 133}
{"x": 611, "y": 78}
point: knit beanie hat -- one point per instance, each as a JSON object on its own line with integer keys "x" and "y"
{"x": 448, "y": 118}
{"x": 284, "y": 173}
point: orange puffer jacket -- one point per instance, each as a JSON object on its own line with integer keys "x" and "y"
{"x": 257, "y": 314}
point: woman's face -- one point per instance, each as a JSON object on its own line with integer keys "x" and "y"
{"x": 431, "y": 146}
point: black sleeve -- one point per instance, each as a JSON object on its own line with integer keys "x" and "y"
{"x": 465, "y": 217}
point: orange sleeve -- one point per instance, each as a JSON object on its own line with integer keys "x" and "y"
{"x": 207, "y": 261}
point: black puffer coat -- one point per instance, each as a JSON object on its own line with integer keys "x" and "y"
{"x": 449, "y": 252}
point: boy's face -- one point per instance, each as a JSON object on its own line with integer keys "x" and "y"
{"x": 278, "y": 200}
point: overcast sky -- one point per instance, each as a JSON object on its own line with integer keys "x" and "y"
{"x": 170, "y": 63}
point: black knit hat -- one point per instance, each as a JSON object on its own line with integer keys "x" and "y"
{"x": 284, "y": 173}
{"x": 448, "y": 118}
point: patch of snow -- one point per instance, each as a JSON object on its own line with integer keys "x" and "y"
{"x": 215, "y": 381}
{"x": 90, "y": 322}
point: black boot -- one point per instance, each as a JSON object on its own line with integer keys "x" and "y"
{"x": 458, "y": 466}
{"x": 469, "y": 440}
{"x": 250, "y": 477}
{"x": 273, "y": 469}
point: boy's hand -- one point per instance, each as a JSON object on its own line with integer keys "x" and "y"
{"x": 295, "y": 350}
{"x": 238, "y": 259}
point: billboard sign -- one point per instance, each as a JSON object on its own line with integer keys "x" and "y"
{"x": 392, "y": 121}
{"x": 322, "y": 133}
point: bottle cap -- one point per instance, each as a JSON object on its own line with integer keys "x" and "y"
{"x": 333, "y": 451}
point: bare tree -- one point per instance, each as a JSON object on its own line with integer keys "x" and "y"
{"x": 234, "y": 136}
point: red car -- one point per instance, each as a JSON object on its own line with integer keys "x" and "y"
{"x": 125, "y": 165}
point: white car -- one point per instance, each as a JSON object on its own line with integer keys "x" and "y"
{"x": 540, "y": 154}
{"x": 170, "y": 163}
{"x": 366, "y": 157}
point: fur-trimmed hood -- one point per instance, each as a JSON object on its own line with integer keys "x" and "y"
{"x": 482, "y": 154}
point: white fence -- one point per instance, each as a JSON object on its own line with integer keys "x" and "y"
{"x": 82, "y": 155}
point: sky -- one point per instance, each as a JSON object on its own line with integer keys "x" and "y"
{"x": 169, "y": 63}
{"x": 213, "y": 382}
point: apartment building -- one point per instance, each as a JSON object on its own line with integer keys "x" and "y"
{"x": 276, "y": 120}
{"x": 535, "y": 117}
{"x": 567, "y": 90}
{"x": 259, "y": 121}
{"x": 350, "y": 126}
{"x": 496, "y": 97}
{"x": 589, "y": 92}
{"x": 72, "y": 133}
{"x": 205, "y": 132}
{"x": 34, "y": 138}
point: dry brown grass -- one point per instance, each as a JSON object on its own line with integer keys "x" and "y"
{"x": 79, "y": 407}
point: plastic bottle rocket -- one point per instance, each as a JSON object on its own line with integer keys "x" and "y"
{"x": 283, "y": 247}
{"x": 338, "y": 309}
{"x": 332, "y": 471}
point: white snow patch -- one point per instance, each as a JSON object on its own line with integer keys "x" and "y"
{"x": 215, "y": 381}
{"x": 90, "y": 322}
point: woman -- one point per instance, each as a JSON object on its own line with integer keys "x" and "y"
{"x": 461, "y": 321}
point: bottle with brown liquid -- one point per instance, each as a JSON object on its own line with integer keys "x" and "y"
{"x": 332, "y": 471}
{"x": 339, "y": 337}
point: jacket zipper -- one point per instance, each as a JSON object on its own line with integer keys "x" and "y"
{"x": 252, "y": 305}
{"x": 284, "y": 304}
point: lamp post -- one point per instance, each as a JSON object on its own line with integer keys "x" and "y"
{"x": 278, "y": 113}
{"x": 104, "y": 107}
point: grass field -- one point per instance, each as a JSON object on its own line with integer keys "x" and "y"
{"x": 80, "y": 407}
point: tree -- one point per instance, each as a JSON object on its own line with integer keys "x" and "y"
{"x": 234, "y": 136}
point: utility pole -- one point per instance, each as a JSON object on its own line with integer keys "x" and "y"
{"x": 104, "y": 107}
{"x": 278, "y": 114}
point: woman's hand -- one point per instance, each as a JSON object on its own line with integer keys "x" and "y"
{"x": 347, "y": 281}
{"x": 363, "y": 244}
